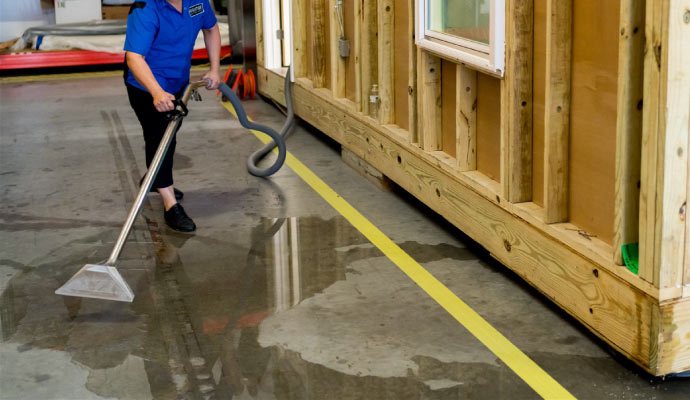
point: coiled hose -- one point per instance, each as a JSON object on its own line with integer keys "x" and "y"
{"x": 278, "y": 138}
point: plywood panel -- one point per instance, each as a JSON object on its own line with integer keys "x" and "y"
{"x": 350, "y": 83}
{"x": 448, "y": 102}
{"x": 538, "y": 93}
{"x": 593, "y": 116}
{"x": 402, "y": 67}
{"x": 489, "y": 126}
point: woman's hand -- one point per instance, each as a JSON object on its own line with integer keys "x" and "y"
{"x": 213, "y": 78}
{"x": 163, "y": 101}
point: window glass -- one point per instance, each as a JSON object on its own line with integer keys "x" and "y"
{"x": 466, "y": 19}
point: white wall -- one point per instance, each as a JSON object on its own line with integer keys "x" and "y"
{"x": 17, "y": 16}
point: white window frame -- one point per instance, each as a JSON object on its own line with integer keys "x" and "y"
{"x": 488, "y": 58}
{"x": 273, "y": 47}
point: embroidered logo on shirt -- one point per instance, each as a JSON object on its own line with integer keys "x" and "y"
{"x": 196, "y": 10}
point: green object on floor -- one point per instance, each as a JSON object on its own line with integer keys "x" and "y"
{"x": 631, "y": 257}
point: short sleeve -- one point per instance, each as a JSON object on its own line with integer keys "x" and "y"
{"x": 142, "y": 25}
{"x": 209, "y": 17}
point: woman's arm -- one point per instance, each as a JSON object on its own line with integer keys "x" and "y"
{"x": 162, "y": 100}
{"x": 212, "y": 40}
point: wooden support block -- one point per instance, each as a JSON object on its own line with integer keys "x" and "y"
{"x": 466, "y": 119}
{"x": 338, "y": 64}
{"x": 357, "y": 54}
{"x": 386, "y": 71}
{"x": 629, "y": 125}
{"x": 318, "y": 35}
{"x": 299, "y": 38}
{"x": 369, "y": 52}
{"x": 516, "y": 103}
{"x": 373, "y": 175}
{"x": 259, "y": 18}
{"x": 431, "y": 134}
{"x": 559, "y": 24}
{"x": 412, "y": 75}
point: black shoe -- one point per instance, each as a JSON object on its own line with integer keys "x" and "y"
{"x": 178, "y": 193}
{"x": 178, "y": 220}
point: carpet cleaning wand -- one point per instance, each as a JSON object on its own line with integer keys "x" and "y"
{"x": 103, "y": 281}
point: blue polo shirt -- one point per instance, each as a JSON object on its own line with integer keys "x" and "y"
{"x": 165, "y": 37}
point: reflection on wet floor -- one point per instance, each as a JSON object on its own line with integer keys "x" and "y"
{"x": 217, "y": 329}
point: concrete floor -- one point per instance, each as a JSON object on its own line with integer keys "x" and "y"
{"x": 276, "y": 296}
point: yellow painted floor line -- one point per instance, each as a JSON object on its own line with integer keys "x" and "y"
{"x": 516, "y": 360}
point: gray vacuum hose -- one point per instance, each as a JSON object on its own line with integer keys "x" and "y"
{"x": 278, "y": 138}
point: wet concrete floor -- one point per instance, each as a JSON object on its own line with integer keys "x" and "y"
{"x": 276, "y": 296}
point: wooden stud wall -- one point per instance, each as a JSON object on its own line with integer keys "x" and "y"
{"x": 542, "y": 166}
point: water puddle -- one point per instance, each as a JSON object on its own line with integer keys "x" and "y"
{"x": 291, "y": 308}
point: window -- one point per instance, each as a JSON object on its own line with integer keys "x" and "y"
{"x": 468, "y": 31}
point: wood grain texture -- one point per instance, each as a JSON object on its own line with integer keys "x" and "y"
{"x": 412, "y": 74}
{"x": 386, "y": 72}
{"x": 300, "y": 59}
{"x": 629, "y": 125}
{"x": 516, "y": 103}
{"x": 593, "y": 112}
{"x": 338, "y": 64}
{"x": 538, "y": 100}
{"x": 369, "y": 52}
{"x": 606, "y": 304}
{"x": 489, "y": 118}
{"x": 319, "y": 55}
{"x": 674, "y": 338}
{"x": 357, "y": 52}
{"x": 559, "y": 21}
{"x": 449, "y": 114}
{"x": 466, "y": 121}
{"x": 401, "y": 65}
{"x": 351, "y": 62}
{"x": 672, "y": 187}
{"x": 259, "y": 18}
{"x": 430, "y": 71}
{"x": 648, "y": 232}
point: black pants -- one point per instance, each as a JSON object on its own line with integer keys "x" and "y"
{"x": 154, "y": 124}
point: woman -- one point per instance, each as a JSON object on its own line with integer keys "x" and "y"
{"x": 159, "y": 45}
